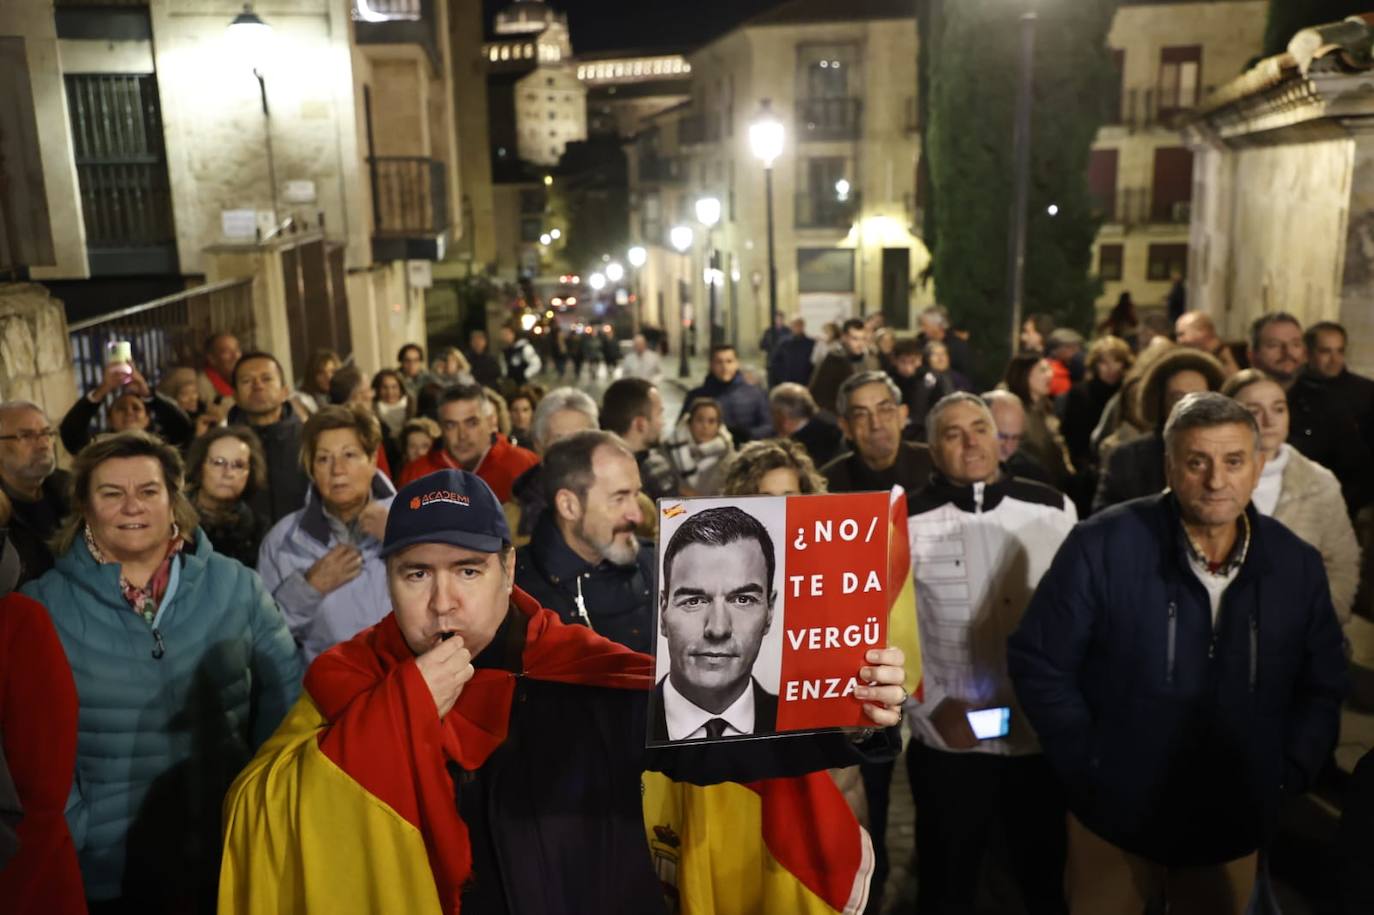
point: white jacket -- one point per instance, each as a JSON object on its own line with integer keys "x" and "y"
{"x": 977, "y": 553}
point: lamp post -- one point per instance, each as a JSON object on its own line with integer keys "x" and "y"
{"x": 708, "y": 214}
{"x": 1021, "y": 155}
{"x": 765, "y": 141}
{"x": 249, "y": 35}
{"x": 681, "y": 239}
{"x": 637, "y": 257}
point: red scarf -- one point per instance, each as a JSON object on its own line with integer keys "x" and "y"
{"x": 145, "y": 600}
{"x": 383, "y": 730}
{"x": 220, "y": 383}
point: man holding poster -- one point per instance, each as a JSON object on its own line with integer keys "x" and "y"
{"x": 717, "y": 605}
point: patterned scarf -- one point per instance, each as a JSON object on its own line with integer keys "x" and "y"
{"x": 145, "y": 600}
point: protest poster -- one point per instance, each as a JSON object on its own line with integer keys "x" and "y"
{"x": 766, "y": 608}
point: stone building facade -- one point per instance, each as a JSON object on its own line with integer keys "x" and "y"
{"x": 157, "y": 153}
{"x": 1283, "y": 211}
{"x": 848, "y": 211}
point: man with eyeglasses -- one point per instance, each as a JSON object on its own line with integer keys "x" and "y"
{"x": 34, "y": 485}
{"x": 872, "y": 416}
{"x": 1010, "y": 416}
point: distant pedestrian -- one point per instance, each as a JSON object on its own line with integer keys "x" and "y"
{"x": 853, "y": 358}
{"x": 485, "y": 367}
{"x": 522, "y": 363}
{"x": 743, "y": 406}
{"x": 791, "y": 360}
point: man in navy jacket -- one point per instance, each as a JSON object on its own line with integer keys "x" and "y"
{"x": 1183, "y": 667}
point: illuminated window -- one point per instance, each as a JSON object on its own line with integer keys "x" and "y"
{"x": 505, "y": 52}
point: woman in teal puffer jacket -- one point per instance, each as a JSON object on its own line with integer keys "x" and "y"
{"x": 183, "y": 666}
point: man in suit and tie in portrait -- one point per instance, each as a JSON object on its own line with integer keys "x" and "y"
{"x": 716, "y": 606}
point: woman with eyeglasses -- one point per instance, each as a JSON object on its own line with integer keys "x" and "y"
{"x": 226, "y": 466}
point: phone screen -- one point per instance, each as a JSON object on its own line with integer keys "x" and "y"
{"x": 989, "y": 723}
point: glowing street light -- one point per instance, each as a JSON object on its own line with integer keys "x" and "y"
{"x": 546, "y": 239}
{"x": 637, "y": 256}
{"x": 555, "y": 234}
{"x": 680, "y": 237}
{"x": 614, "y": 272}
{"x": 708, "y": 211}
{"x": 597, "y": 281}
{"x": 765, "y": 141}
{"x": 842, "y": 188}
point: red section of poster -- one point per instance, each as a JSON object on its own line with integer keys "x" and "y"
{"x": 836, "y": 598}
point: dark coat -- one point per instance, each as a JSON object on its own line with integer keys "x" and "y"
{"x": 1177, "y": 737}
{"x": 1357, "y": 840}
{"x": 619, "y": 600}
{"x": 911, "y": 471}
{"x": 1355, "y": 393}
{"x": 821, "y": 438}
{"x": 34, "y": 523}
{"x": 833, "y": 371}
{"x": 237, "y": 534}
{"x": 287, "y": 483}
{"x": 791, "y": 361}
{"x": 168, "y": 422}
{"x": 1083, "y": 406}
{"x": 745, "y": 406}
{"x": 555, "y": 814}
{"x": 1321, "y": 427}
{"x": 486, "y": 368}
{"x": 765, "y": 711}
{"x": 1134, "y": 469}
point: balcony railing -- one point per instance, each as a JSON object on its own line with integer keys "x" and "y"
{"x": 695, "y": 129}
{"x": 1141, "y": 108}
{"x": 1137, "y": 206}
{"x": 824, "y": 211}
{"x": 661, "y": 170}
{"x": 830, "y": 118}
{"x": 164, "y": 332}
{"x": 409, "y": 205}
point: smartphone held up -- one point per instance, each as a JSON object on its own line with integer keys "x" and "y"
{"x": 119, "y": 359}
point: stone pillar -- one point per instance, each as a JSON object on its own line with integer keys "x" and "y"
{"x": 35, "y": 355}
{"x": 1356, "y": 290}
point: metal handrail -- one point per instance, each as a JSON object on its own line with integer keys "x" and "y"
{"x": 172, "y": 299}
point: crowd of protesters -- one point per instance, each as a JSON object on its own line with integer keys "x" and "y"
{"x": 1174, "y": 662}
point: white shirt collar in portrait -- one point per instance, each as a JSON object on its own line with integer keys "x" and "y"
{"x": 686, "y": 721}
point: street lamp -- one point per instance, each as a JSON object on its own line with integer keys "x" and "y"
{"x": 597, "y": 281}
{"x": 555, "y": 234}
{"x": 708, "y": 214}
{"x": 638, "y": 257}
{"x": 681, "y": 239}
{"x": 249, "y": 36}
{"x": 614, "y": 272}
{"x": 765, "y": 141}
{"x": 1021, "y": 156}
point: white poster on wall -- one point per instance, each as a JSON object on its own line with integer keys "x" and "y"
{"x": 821, "y": 308}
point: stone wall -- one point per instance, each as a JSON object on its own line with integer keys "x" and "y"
{"x": 35, "y": 360}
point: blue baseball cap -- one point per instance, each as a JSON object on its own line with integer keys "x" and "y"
{"x": 447, "y": 506}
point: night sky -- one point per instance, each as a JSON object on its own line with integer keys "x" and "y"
{"x": 609, "y": 25}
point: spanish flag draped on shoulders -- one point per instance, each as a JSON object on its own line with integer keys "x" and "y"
{"x": 350, "y": 806}
{"x": 526, "y": 796}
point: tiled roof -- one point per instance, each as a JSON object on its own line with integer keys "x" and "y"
{"x": 1339, "y": 47}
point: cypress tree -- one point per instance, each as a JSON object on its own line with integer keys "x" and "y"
{"x": 1287, "y": 17}
{"x": 973, "y": 86}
